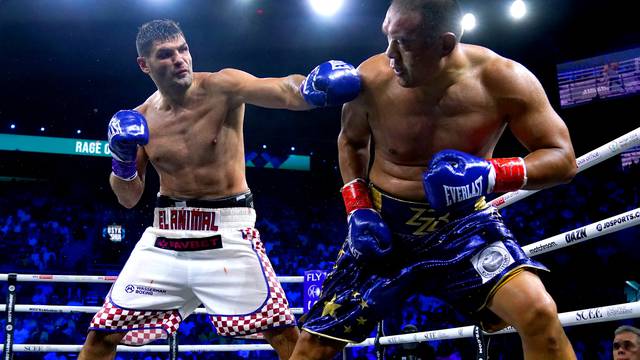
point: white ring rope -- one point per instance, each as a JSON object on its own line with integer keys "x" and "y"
{"x": 102, "y": 278}
{"x": 571, "y": 318}
{"x": 87, "y": 309}
{"x": 591, "y": 231}
{"x": 584, "y": 162}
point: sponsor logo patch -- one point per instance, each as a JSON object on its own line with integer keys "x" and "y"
{"x": 189, "y": 244}
{"x": 491, "y": 261}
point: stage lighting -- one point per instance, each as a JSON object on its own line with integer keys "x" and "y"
{"x": 326, "y": 7}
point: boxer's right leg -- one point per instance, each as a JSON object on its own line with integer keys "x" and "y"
{"x": 100, "y": 345}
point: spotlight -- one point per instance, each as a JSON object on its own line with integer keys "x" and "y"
{"x": 42, "y": 129}
{"x": 13, "y": 126}
{"x": 518, "y": 9}
{"x": 468, "y": 21}
{"x": 326, "y": 7}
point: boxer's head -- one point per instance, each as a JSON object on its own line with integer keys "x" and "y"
{"x": 420, "y": 33}
{"x": 163, "y": 53}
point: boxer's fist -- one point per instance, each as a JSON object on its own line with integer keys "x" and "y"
{"x": 457, "y": 178}
{"x": 369, "y": 238}
{"x": 331, "y": 83}
{"x": 127, "y": 130}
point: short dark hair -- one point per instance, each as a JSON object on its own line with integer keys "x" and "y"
{"x": 156, "y": 30}
{"x": 438, "y": 16}
{"x": 631, "y": 329}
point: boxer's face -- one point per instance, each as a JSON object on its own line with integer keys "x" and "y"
{"x": 169, "y": 63}
{"x": 412, "y": 57}
{"x": 625, "y": 347}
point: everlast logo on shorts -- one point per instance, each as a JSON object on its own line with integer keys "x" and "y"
{"x": 456, "y": 194}
{"x": 186, "y": 219}
{"x": 206, "y": 243}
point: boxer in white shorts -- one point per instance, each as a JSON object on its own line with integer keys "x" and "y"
{"x": 203, "y": 247}
{"x": 192, "y": 255}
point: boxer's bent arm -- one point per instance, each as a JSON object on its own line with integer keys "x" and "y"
{"x": 354, "y": 141}
{"x": 275, "y": 93}
{"x": 537, "y": 126}
{"x": 130, "y": 192}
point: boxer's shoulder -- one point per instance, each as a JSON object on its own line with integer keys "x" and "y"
{"x": 375, "y": 72}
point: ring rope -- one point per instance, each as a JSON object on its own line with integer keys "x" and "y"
{"x": 584, "y": 162}
{"x": 584, "y": 233}
{"x": 571, "y": 318}
{"x": 87, "y": 309}
{"x": 103, "y": 278}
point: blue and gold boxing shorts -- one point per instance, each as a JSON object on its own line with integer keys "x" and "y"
{"x": 461, "y": 258}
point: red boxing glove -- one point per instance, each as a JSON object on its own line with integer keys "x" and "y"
{"x": 356, "y": 195}
{"x": 511, "y": 174}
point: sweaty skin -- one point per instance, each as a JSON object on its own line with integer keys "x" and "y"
{"x": 470, "y": 114}
{"x": 415, "y": 103}
{"x": 196, "y": 125}
{"x": 428, "y": 93}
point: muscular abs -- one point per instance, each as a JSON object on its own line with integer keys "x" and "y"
{"x": 198, "y": 151}
{"x": 408, "y": 127}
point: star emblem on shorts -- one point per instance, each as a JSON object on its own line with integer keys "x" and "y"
{"x": 331, "y": 307}
{"x": 347, "y": 329}
{"x": 361, "y": 320}
{"x": 355, "y": 294}
{"x": 363, "y": 304}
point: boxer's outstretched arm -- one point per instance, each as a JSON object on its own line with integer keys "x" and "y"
{"x": 354, "y": 141}
{"x": 130, "y": 192}
{"x": 535, "y": 124}
{"x": 275, "y": 93}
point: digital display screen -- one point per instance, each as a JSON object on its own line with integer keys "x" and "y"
{"x": 601, "y": 77}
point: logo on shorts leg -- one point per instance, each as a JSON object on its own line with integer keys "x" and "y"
{"x": 143, "y": 290}
{"x": 491, "y": 261}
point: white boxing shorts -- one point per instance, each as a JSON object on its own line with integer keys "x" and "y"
{"x": 174, "y": 268}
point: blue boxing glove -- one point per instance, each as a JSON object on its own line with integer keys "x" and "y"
{"x": 458, "y": 179}
{"x": 369, "y": 238}
{"x": 127, "y": 130}
{"x": 331, "y": 83}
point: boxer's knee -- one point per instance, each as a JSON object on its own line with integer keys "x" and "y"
{"x": 541, "y": 325}
{"x": 283, "y": 340}
{"x": 314, "y": 347}
{"x": 100, "y": 345}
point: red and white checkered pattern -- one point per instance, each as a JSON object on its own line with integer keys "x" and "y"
{"x": 275, "y": 313}
{"x": 144, "y": 326}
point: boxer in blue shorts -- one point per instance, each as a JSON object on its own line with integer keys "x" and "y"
{"x": 416, "y": 155}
